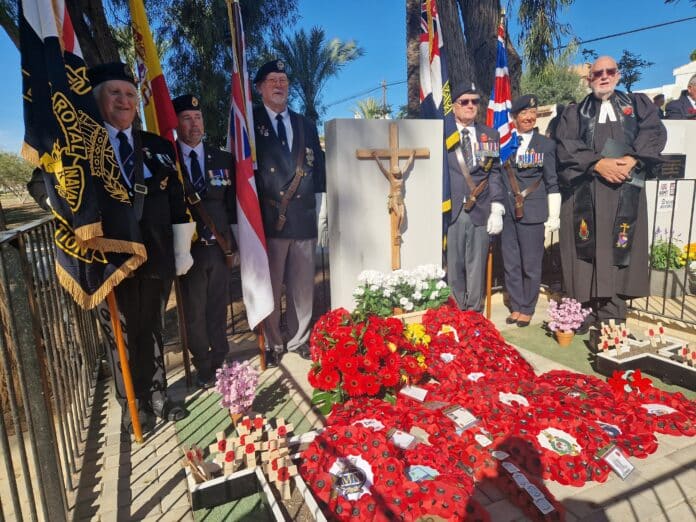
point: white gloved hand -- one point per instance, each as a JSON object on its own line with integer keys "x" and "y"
{"x": 323, "y": 221}
{"x": 183, "y": 233}
{"x": 553, "y": 223}
{"x": 495, "y": 220}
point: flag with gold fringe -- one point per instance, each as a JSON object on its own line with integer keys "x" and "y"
{"x": 97, "y": 237}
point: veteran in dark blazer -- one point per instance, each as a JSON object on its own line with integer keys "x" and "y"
{"x": 532, "y": 205}
{"x": 290, "y": 172}
{"x": 209, "y": 185}
{"x": 477, "y": 195}
{"x": 148, "y": 165}
{"x": 684, "y": 107}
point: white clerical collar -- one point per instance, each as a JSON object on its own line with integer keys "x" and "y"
{"x": 606, "y": 111}
{"x": 113, "y": 131}
{"x": 186, "y": 150}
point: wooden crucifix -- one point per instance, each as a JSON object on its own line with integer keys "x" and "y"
{"x": 395, "y": 176}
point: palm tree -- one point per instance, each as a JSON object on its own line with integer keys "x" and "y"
{"x": 371, "y": 109}
{"x": 311, "y": 61}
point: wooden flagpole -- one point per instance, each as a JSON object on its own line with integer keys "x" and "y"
{"x": 489, "y": 279}
{"x": 125, "y": 367}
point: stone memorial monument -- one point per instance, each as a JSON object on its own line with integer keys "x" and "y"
{"x": 384, "y": 198}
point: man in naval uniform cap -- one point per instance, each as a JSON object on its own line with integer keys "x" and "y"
{"x": 147, "y": 164}
{"x": 533, "y": 205}
{"x": 477, "y": 199}
{"x": 209, "y": 187}
{"x": 290, "y": 173}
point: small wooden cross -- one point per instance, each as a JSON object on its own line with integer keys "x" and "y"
{"x": 395, "y": 176}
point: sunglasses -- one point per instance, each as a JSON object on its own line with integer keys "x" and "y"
{"x": 611, "y": 72}
{"x": 464, "y": 103}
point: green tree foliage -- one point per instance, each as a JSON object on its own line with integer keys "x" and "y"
{"x": 692, "y": 56}
{"x": 371, "y": 109}
{"x": 541, "y": 32}
{"x": 631, "y": 66}
{"x": 556, "y": 82}
{"x": 199, "y": 58}
{"x": 14, "y": 173}
{"x": 312, "y": 61}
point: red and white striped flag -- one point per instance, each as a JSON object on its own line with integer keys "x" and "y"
{"x": 498, "y": 114}
{"x": 255, "y": 272}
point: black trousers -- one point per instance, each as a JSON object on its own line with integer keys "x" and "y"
{"x": 139, "y": 302}
{"x": 205, "y": 294}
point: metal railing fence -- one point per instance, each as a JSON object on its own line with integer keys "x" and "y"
{"x": 49, "y": 358}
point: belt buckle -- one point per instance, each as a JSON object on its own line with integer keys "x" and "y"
{"x": 140, "y": 189}
{"x": 194, "y": 198}
{"x": 207, "y": 242}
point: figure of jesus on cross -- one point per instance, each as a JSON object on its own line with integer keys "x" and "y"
{"x": 395, "y": 174}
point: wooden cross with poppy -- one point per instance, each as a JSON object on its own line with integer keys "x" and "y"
{"x": 281, "y": 477}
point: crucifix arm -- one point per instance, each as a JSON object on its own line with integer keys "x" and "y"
{"x": 386, "y": 172}
{"x": 409, "y": 162}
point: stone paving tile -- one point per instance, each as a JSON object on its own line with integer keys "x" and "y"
{"x": 172, "y": 515}
{"x": 686, "y": 511}
{"x": 503, "y": 511}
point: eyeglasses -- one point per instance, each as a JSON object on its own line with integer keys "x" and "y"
{"x": 277, "y": 81}
{"x": 465, "y": 102}
{"x": 611, "y": 72}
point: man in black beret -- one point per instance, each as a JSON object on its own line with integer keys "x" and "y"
{"x": 290, "y": 172}
{"x": 533, "y": 205}
{"x": 477, "y": 199}
{"x": 148, "y": 169}
{"x": 209, "y": 186}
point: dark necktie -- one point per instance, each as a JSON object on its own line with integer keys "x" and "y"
{"x": 466, "y": 143}
{"x": 282, "y": 135}
{"x": 196, "y": 175}
{"x": 125, "y": 152}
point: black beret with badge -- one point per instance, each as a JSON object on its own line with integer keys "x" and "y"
{"x": 465, "y": 87}
{"x": 274, "y": 66}
{"x": 105, "y": 72}
{"x": 186, "y": 102}
{"x": 527, "y": 101}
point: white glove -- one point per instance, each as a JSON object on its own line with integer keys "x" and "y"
{"x": 495, "y": 220}
{"x": 553, "y": 223}
{"x": 323, "y": 221}
{"x": 183, "y": 233}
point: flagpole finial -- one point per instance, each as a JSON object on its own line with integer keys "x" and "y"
{"x": 502, "y": 12}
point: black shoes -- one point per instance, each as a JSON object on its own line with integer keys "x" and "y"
{"x": 165, "y": 409}
{"x": 510, "y": 319}
{"x": 523, "y": 320}
{"x": 273, "y": 358}
{"x": 303, "y": 351}
{"x": 204, "y": 384}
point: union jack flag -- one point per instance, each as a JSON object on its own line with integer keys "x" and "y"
{"x": 255, "y": 272}
{"x": 435, "y": 94}
{"x": 498, "y": 113}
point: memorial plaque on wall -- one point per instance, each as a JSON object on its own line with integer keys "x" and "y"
{"x": 674, "y": 166}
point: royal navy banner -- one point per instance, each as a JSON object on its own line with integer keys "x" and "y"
{"x": 97, "y": 236}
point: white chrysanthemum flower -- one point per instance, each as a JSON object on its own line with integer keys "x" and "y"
{"x": 440, "y": 285}
{"x": 417, "y": 296}
{"x": 359, "y": 291}
{"x": 374, "y": 288}
{"x": 434, "y": 295}
{"x": 403, "y": 301}
{"x": 408, "y": 306}
{"x": 387, "y": 292}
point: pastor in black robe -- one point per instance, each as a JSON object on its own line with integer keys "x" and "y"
{"x": 600, "y": 280}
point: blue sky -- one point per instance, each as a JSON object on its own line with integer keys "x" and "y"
{"x": 379, "y": 27}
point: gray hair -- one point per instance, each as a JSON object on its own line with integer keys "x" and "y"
{"x": 692, "y": 81}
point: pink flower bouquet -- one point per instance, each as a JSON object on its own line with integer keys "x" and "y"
{"x": 237, "y": 385}
{"x": 566, "y": 316}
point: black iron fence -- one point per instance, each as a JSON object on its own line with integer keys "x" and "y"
{"x": 672, "y": 219}
{"x": 49, "y": 357}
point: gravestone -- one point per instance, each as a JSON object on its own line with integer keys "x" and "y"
{"x": 357, "y": 200}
